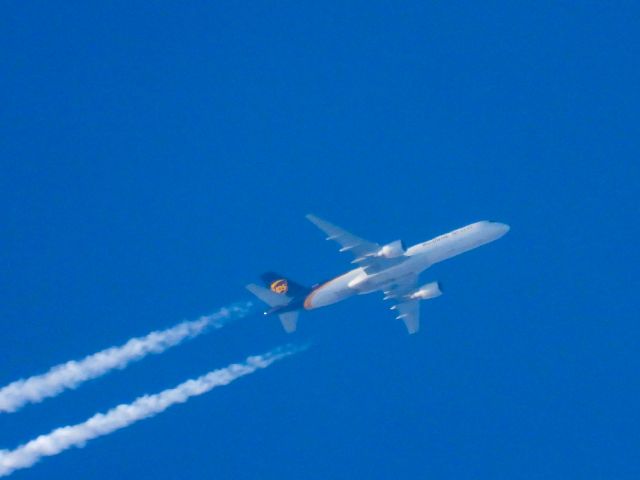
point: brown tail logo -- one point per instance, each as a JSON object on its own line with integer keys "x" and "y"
{"x": 280, "y": 286}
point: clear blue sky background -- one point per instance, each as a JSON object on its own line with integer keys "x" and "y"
{"x": 158, "y": 156}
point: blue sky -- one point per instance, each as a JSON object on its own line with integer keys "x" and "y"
{"x": 156, "y": 157}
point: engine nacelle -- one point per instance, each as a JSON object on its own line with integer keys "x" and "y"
{"x": 426, "y": 292}
{"x": 392, "y": 250}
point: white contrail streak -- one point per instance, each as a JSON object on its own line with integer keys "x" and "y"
{"x": 124, "y": 415}
{"x": 73, "y": 373}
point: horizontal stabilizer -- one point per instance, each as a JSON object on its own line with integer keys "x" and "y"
{"x": 289, "y": 321}
{"x": 267, "y": 296}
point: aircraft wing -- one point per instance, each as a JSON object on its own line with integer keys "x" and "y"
{"x": 409, "y": 313}
{"x": 362, "y": 249}
{"x": 408, "y": 310}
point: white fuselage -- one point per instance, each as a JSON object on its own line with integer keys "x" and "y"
{"x": 416, "y": 259}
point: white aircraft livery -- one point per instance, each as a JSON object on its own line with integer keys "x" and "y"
{"x": 391, "y": 269}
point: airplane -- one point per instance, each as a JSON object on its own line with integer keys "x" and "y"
{"x": 391, "y": 269}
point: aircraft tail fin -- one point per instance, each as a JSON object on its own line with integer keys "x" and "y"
{"x": 283, "y": 295}
{"x": 283, "y": 285}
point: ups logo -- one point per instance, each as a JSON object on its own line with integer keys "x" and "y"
{"x": 280, "y": 286}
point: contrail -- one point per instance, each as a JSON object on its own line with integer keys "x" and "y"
{"x": 124, "y": 415}
{"x": 73, "y": 373}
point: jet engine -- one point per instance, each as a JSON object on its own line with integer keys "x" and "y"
{"x": 392, "y": 250}
{"x": 426, "y": 292}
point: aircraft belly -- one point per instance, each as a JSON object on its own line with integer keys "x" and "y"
{"x": 456, "y": 247}
{"x": 378, "y": 281}
{"x": 331, "y": 292}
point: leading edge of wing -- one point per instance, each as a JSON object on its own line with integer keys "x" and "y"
{"x": 347, "y": 240}
{"x": 364, "y": 250}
